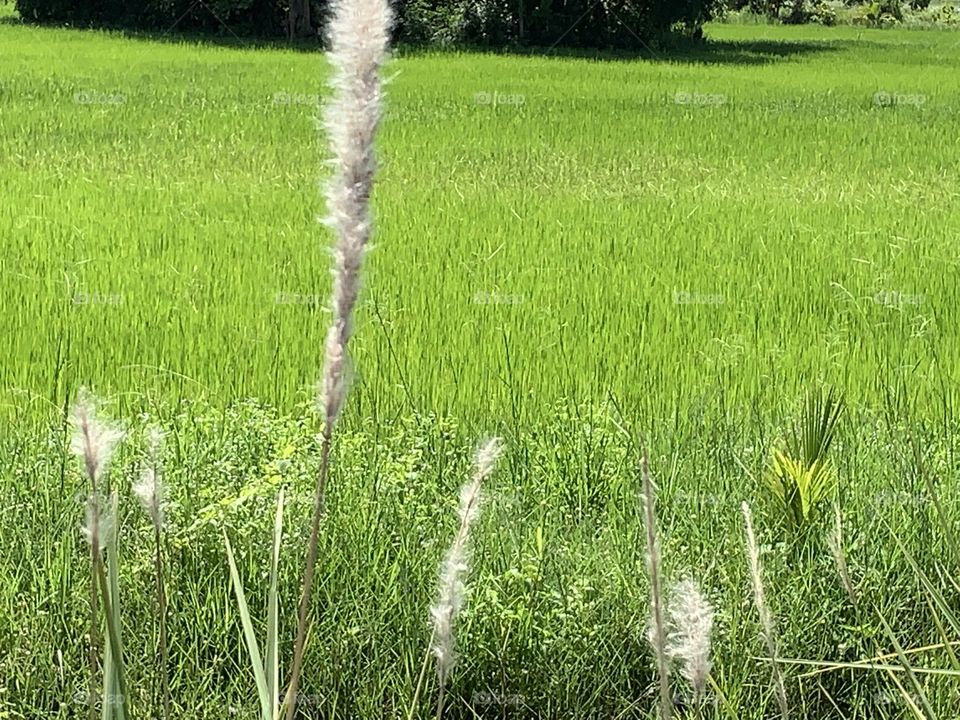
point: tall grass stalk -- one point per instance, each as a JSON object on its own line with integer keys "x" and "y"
{"x": 93, "y": 442}
{"x": 150, "y": 492}
{"x": 835, "y": 543}
{"x": 657, "y": 634}
{"x": 359, "y": 33}
{"x": 766, "y": 619}
{"x": 115, "y": 700}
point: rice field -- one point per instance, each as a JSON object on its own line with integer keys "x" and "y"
{"x": 569, "y": 251}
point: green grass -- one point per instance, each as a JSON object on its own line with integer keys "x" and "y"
{"x": 147, "y": 235}
{"x": 180, "y": 214}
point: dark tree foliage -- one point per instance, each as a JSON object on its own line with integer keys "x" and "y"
{"x": 537, "y": 23}
{"x": 243, "y": 17}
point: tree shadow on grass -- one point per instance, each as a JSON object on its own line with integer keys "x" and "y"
{"x": 705, "y": 52}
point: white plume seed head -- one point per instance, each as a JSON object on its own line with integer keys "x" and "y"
{"x": 94, "y": 439}
{"x": 99, "y": 525}
{"x": 149, "y": 488}
{"x": 456, "y": 564}
{"x": 688, "y": 641}
{"x": 359, "y": 32}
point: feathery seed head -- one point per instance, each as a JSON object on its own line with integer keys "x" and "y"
{"x": 456, "y": 564}
{"x": 835, "y": 543}
{"x": 449, "y": 602}
{"x": 149, "y": 489}
{"x": 94, "y": 439}
{"x": 753, "y": 554}
{"x": 470, "y": 494}
{"x": 99, "y": 524}
{"x": 486, "y": 457}
{"x": 688, "y": 641}
{"x": 359, "y": 32}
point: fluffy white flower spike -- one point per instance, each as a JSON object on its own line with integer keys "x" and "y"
{"x": 359, "y": 33}
{"x": 456, "y": 564}
{"x": 94, "y": 439}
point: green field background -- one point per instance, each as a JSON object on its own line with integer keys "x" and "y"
{"x": 725, "y": 226}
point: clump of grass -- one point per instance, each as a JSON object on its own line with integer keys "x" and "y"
{"x": 151, "y": 493}
{"x": 359, "y": 33}
{"x": 266, "y": 670}
{"x": 766, "y": 618}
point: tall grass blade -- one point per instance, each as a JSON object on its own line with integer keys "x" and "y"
{"x": 914, "y": 681}
{"x": 273, "y": 659}
{"x": 109, "y": 590}
{"x": 253, "y": 649}
{"x": 111, "y": 680}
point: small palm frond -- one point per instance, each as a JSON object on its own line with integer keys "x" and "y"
{"x": 813, "y": 438}
{"x": 801, "y": 477}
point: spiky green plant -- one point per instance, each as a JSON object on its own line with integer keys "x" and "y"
{"x": 801, "y": 476}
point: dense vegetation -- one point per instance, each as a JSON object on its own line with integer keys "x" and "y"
{"x": 498, "y": 23}
{"x": 622, "y": 23}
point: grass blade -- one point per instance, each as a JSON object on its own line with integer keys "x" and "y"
{"x": 113, "y": 638}
{"x": 253, "y": 649}
{"x": 273, "y": 661}
{"x": 905, "y": 663}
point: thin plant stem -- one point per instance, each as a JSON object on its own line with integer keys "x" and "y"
{"x": 656, "y": 591}
{"x": 440, "y": 699}
{"x": 114, "y": 639}
{"x": 93, "y": 654}
{"x": 766, "y": 618}
{"x": 162, "y": 612}
{"x": 308, "y": 571}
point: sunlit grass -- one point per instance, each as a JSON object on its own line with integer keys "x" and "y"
{"x": 549, "y": 227}
{"x": 566, "y": 247}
